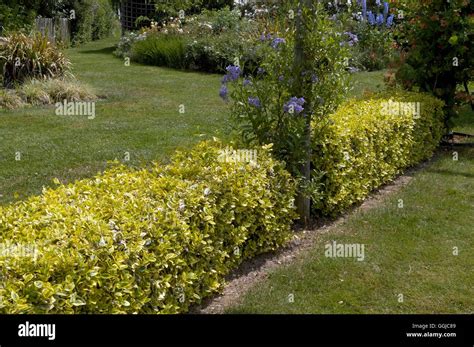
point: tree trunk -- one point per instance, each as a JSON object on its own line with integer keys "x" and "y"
{"x": 303, "y": 203}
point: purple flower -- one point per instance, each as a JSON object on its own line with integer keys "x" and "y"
{"x": 378, "y": 3}
{"x": 233, "y": 72}
{"x": 255, "y": 102}
{"x": 379, "y": 19}
{"x": 390, "y": 20}
{"x": 223, "y": 93}
{"x": 276, "y": 42}
{"x": 247, "y": 82}
{"x": 314, "y": 78}
{"x": 294, "y": 106}
{"x": 364, "y": 9}
{"x": 371, "y": 18}
{"x": 386, "y": 7}
{"x": 281, "y": 78}
{"x": 226, "y": 79}
{"x": 261, "y": 71}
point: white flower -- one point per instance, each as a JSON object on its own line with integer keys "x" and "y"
{"x": 207, "y": 191}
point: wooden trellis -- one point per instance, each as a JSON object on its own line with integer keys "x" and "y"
{"x": 132, "y": 9}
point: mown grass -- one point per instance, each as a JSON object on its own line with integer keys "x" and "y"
{"x": 138, "y": 114}
{"x": 409, "y": 251}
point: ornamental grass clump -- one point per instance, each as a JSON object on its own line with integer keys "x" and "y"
{"x": 23, "y": 57}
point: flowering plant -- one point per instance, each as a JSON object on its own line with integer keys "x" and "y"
{"x": 272, "y": 106}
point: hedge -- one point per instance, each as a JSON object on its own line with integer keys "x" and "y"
{"x": 365, "y": 146}
{"x": 152, "y": 240}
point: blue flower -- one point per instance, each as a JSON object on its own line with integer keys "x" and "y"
{"x": 255, "y": 102}
{"x": 380, "y": 19}
{"x": 378, "y": 3}
{"x": 226, "y": 79}
{"x": 223, "y": 93}
{"x": 294, "y": 106}
{"x": 261, "y": 71}
{"x": 371, "y": 18}
{"x": 276, "y": 42}
{"x": 247, "y": 82}
{"x": 364, "y": 9}
{"x": 233, "y": 72}
{"x": 353, "y": 39}
{"x": 386, "y": 7}
{"x": 390, "y": 20}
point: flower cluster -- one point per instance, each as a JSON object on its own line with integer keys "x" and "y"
{"x": 353, "y": 39}
{"x": 255, "y": 102}
{"x": 275, "y": 42}
{"x": 233, "y": 74}
{"x": 294, "y": 106}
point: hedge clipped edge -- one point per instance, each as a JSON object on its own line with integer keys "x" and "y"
{"x": 367, "y": 143}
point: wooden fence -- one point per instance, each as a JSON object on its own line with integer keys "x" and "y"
{"x": 57, "y": 30}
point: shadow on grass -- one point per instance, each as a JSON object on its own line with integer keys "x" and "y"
{"x": 106, "y": 50}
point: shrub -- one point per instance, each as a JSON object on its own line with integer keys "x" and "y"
{"x": 273, "y": 105}
{"x": 23, "y": 57}
{"x": 161, "y": 50}
{"x": 437, "y": 38}
{"x": 124, "y": 47}
{"x": 15, "y": 15}
{"x": 363, "y": 146}
{"x": 143, "y": 241}
{"x": 95, "y": 19}
{"x": 214, "y": 53}
{"x": 166, "y": 9}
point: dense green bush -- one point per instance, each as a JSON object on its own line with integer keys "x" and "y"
{"x": 365, "y": 145}
{"x": 23, "y": 57}
{"x": 95, "y": 19}
{"x": 165, "y": 9}
{"x": 143, "y": 241}
{"x": 438, "y": 51}
{"x": 213, "y": 40}
{"x": 15, "y": 16}
{"x": 161, "y": 50}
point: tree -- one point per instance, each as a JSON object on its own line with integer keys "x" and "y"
{"x": 437, "y": 39}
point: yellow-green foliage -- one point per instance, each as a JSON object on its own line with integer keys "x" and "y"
{"x": 143, "y": 241}
{"x": 363, "y": 146}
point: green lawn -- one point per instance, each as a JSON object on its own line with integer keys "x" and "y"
{"x": 408, "y": 251}
{"x": 140, "y": 115}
